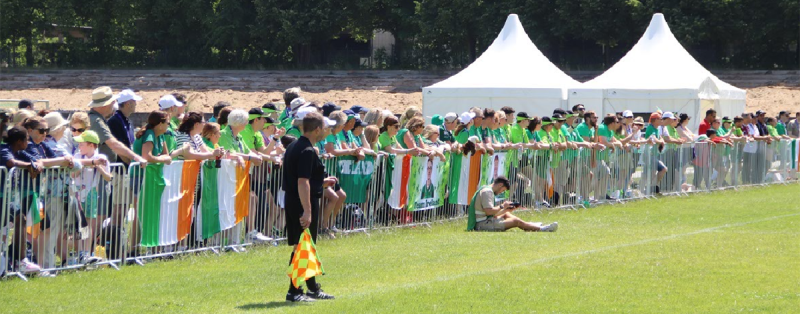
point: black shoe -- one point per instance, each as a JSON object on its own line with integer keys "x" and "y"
{"x": 298, "y": 297}
{"x": 610, "y": 198}
{"x": 319, "y": 294}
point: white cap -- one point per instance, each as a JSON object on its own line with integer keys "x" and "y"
{"x": 329, "y": 122}
{"x": 297, "y": 102}
{"x": 450, "y": 116}
{"x": 303, "y": 111}
{"x": 466, "y": 117}
{"x": 126, "y": 95}
{"x": 474, "y": 139}
{"x": 627, "y": 114}
{"x": 168, "y": 101}
{"x": 668, "y": 115}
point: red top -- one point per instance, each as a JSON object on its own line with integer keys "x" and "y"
{"x": 704, "y": 126}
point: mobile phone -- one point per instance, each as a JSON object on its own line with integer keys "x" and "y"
{"x": 515, "y": 204}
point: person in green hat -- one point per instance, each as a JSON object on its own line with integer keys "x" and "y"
{"x": 86, "y": 185}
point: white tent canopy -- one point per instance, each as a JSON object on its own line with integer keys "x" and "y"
{"x": 658, "y": 73}
{"x": 512, "y": 72}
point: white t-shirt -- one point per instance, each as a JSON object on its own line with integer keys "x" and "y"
{"x": 88, "y": 177}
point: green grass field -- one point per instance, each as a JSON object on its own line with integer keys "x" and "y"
{"x": 732, "y": 251}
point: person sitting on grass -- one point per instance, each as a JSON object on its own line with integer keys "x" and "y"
{"x": 484, "y": 215}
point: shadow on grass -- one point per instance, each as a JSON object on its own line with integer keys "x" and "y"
{"x": 268, "y": 305}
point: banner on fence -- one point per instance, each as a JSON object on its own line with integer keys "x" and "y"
{"x": 354, "y": 177}
{"x": 427, "y": 181}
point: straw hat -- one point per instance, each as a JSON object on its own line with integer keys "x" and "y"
{"x": 55, "y": 121}
{"x": 101, "y": 97}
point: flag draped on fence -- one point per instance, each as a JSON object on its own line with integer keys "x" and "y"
{"x": 427, "y": 182}
{"x": 225, "y": 198}
{"x": 305, "y": 262}
{"x": 459, "y": 179}
{"x": 354, "y": 177}
{"x": 166, "y": 200}
{"x": 401, "y": 173}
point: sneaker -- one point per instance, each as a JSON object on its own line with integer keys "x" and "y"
{"x": 257, "y": 237}
{"x": 609, "y": 198}
{"x": 87, "y": 259}
{"x": 328, "y": 233}
{"x": 550, "y": 228}
{"x": 47, "y": 274}
{"x": 319, "y": 294}
{"x": 298, "y": 297}
{"x": 26, "y": 266}
{"x": 335, "y": 230}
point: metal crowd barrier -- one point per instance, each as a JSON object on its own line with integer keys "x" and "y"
{"x": 65, "y": 219}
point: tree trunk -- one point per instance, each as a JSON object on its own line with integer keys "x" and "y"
{"x": 29, "y": 49}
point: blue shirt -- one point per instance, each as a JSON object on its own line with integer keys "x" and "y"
{"x": 52, "y": 144}
{"x": 40, "y": 151}
{"x": 121, "y": 129}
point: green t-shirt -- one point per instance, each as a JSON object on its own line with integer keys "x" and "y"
{"x": 651, "y": 130}
{"x": 294, "y": 131}
{"x": 781, "y": 128}
{"x": 772, "y": 131}
{"x": 722, "y": 131}
{"x": 357, "y": 140}
{"x": 499, "y": 135}
{"x": 149, "y": 136}
{"x": 232, "y": 143}
{"x": 462, "y": 136}
{"x": 476, "y": 131}
{"x": 385, "y": 140}
{"x": 604, "y": 131}
{"x": 252, "y": 139}
{"x": 336, "y": 140}
{"x": 399, "y": 138}
{"x": 518, "y": 134}
{"x": 583, "y": 129}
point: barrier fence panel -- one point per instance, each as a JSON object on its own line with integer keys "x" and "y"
{"x": 74, "y": 219}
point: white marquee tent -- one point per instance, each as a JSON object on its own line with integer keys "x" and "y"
{"x": 512, "y": 72}
{"x": 657, "y": 73}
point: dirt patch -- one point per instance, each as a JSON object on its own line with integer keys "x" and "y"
{"x": 771, "y": 99}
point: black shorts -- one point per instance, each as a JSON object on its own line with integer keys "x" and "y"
{"x": 293, "y": 212}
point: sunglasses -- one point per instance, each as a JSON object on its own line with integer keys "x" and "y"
{"x": 581, "y": 109}
{"x": 77, "y": 130}
{"x": 43, "y": 130}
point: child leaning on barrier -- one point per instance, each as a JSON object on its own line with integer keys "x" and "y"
{"x": 85, "y": 189}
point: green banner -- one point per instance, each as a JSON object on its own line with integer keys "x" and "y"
{"x": 427, "y": 183}
{"x": 355, "y": 176}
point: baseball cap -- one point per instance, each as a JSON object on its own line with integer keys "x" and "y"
{"x": 127, "y": 95}
{"x": 88, "y": 136}
{"x": 168, "y": 101}
{"x": 760, "y": 112}
{"x": 359, "y": 109}
{"x": 268, "y": 121}
{"x": 361, "y": 123}
{"x": 450, "y": 117}
{"x": 297, "y": 102}
{"x": 668, "y": 115}
{"x": 546, "y": 120}
{"x": 303, "y": 111}
{"x": 350, "y": 114}
{"x": 627, "y": 114}
{"x": 329, "y": 107}
{"x": 329, "y": 122}
{"x": 466, "y": 117}
{"x": 255, "y": 113}
{"x": 726, "y": 119}
{"x": 558, "y": 117}
{"x": 559, "y": 111}
{"x": 269, "y": 107}
{"x": 523, "y": 116}
{"x": 655, "y": 115}
{"x": 437, "y": 120}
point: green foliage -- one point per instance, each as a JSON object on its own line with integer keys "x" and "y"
{"x": 429, "y": 33}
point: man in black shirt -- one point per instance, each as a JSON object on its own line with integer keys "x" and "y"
{"x": 120, "y": 123}
{"x": 303, "y": 181}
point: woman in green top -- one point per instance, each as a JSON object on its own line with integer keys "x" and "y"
{"x": 359, "y": 139}
{"x": 388, "y": 138}
{"x": 149, "y": 141}
{"x": 430, "y": 136}
{"x": 411, "y": 136}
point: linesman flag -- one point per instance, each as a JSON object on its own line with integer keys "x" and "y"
{"x": 305, "y": 263}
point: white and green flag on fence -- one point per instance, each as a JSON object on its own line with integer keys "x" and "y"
{"x": 459, "y": 179}
{"x": 355, "y": 176}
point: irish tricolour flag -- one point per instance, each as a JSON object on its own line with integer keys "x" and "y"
{"x": 225, "y": 197}
{"x": 166, "y": 201}
{"x": 464, "y": 177}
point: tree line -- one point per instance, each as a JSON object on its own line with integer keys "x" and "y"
{"x": 430, "y": 34}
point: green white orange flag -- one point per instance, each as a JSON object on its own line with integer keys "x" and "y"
{"x": 225, "y": 197}
{"x": 166, "y": 202}
{"x": 305, "y": 263}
